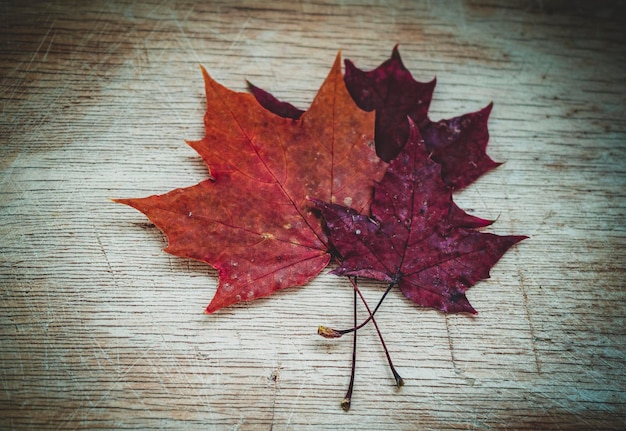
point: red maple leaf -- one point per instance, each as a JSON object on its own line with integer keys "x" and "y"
{"x": 252, "y": 220}
{"x": 414, "y": 238}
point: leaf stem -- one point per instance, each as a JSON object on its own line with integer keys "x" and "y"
{"x": 396, "y": 375}
{"x": 345, "y": 404}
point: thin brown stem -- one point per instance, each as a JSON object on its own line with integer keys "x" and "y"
{"x": 396, "y": 375}
{"x": 345, "y": 404}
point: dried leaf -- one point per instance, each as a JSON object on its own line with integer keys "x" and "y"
{"x": 252, "y": 221}
{"x": 413, "y": 237}
{"x": 392, "y": 92}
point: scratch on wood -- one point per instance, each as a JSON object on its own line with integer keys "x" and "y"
{"x": 451, "y": 345}
{"x": 533, "y": 336}
{"x": 106, "y": 259}
{"x": 273, "y": 379}
{"x": 237, "y": 38}
{"x": 185, "y": 38}
{"x": 43, "y": 39}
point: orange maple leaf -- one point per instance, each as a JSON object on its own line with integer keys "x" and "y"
{"x": 252, "y": 220}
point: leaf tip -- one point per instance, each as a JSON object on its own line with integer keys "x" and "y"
{"x": 519, "y": 238}
{"x": 335, "y": 70}
{"x": 208, "y": 80}
{"x": 510, "y": 240}
{"x": 123, "y": 201}
{"x": 457, "y": 303}
{"x": 217, "y": 303}
{"x": 211, "y": 308}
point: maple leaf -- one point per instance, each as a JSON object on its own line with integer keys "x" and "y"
{"x": 458, "y": 144}
{"x": 392, "y": 92}
{"x": 252, "y": 220}
{"x": 414, "y": 238}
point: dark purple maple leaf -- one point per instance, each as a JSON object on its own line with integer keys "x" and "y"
{"x": 415, "y": 238}
{"x": 459, "y": 145}
{"x": 392, "y": 92}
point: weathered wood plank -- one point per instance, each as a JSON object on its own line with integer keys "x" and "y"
{"x": 101, "y": 329}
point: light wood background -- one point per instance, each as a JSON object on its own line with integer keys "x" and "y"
{"x": 101, "y": 329}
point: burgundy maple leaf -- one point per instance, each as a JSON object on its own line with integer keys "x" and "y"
{"x": 458, "y": 144}
{"x": 414, "y": 238}
{"x": 392, "y": 92}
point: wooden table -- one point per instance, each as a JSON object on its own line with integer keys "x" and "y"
{"x": 99, "y": 328}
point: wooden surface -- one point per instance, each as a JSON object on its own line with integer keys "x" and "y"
{"x": 101, "y": 329}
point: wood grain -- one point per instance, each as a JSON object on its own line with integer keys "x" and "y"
{"x": 101, "y": 329}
